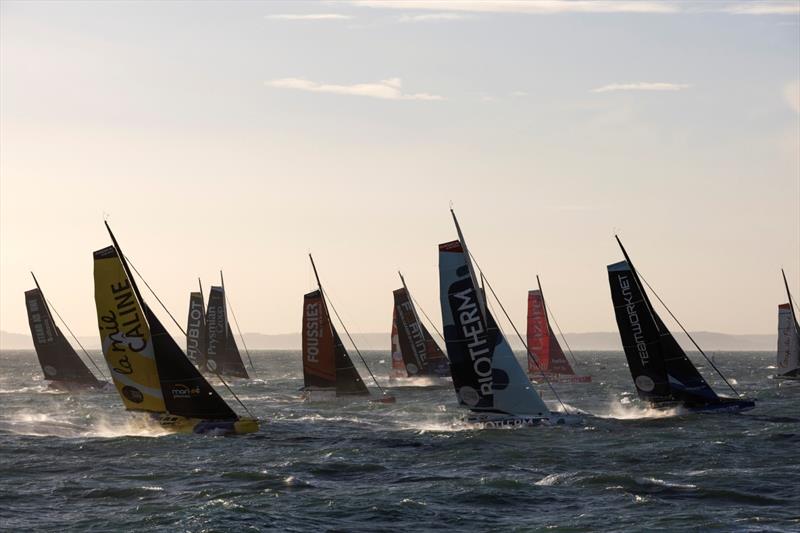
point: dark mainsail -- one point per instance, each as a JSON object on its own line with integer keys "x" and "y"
{"x": 660, "y": 368}
{"x": 196, "y": 331}
{"x": 421, "y": 355}
{"x": 222, "y": 353}
{"x": 59, "y": 361}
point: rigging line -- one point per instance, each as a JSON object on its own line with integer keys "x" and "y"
{"x": 75, "y": 338}
{"x": 335, "y": 312}
{"x": 549, "y": 312}
{"x": 563, "y": 338}
{"x": 430, "y": 322}
{"x": 687, "y": 334}
{"x": 514, "y": 327}
{"x": 164, "y": 307}
{"x": 184, "y": 332}
{"x": 233, "y": 393}
{"x": 244, "y": 344}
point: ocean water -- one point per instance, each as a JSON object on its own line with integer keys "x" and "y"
{"x": 79, "y": 462}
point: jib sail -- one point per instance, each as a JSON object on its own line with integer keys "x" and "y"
{"x": 486, "y": 374}
{"x": 660, "y": 368}
{"x": 542, "y": 342}
{"x": 58, "y": 359}
{"x": 222, "y": 353}
{"x": 421, "y": 355}
{"x": 196, "y": 331}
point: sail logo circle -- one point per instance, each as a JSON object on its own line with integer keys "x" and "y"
{"x": 133, "y": 394}
{"x": 212, "y": 365}
{"x": 645, "y": 383}
{"x": 49, "y": 370}
{"x": 469, "y": 395}
{"x": 412, "y": 368}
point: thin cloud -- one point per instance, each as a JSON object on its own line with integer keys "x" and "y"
{"x": 390, "y": 89}
{"x": 763, "y": 8}
{"x": 434, "y": 17}
{"x": 791, "y": 93}
{"x": 641, "y": 86}
{"x": 310, "y": 16}
{"x": 554, "y": 7}
{"x": 539, "y": 7}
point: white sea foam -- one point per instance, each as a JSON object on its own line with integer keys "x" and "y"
{"x": 620, "y": 410}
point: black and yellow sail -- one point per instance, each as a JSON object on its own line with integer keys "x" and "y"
{"x": 149, "y": 369}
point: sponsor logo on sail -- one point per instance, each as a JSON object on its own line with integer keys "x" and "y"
{"x": 645, "y": 383}
{"x": 313, "y": 331}
{"x": 468, "y": 318}
{"x": 633, "y": 320}
{"x": 49, "y": 370}
{"x": 182, "y": 392}
{"x": 133, "y": 394}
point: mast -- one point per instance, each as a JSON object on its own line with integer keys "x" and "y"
{"x": 129, "y": 274}
{"x": 325, "y": 303}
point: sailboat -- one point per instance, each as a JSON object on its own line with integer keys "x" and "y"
{"x": 663, "y": 374}
{"x": 150, "y": 371}
{"x": 487, "y": 377}
{"x": 210, "y": 342}
{"x": 62, "y": 366}
{"x": 328, "y": 371}
{"x": 414, "y": 352}
{"x": 788, "y": 339}
{"x": 544, "y": 345}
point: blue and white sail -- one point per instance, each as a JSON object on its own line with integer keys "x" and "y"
{"x": 487, "y": 377}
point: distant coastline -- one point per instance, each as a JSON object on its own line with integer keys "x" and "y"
{"x": 599, "y": 341}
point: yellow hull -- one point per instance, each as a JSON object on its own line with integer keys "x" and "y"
{"x": 180, "y": 424}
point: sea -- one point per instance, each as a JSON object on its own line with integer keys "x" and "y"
{"x": 80, "y": 462}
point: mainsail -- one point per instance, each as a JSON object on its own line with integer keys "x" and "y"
{"x": 326, "y": 364}
{"x": 222, "y": 354}
{"x": 398, "y": 365}
{"x": 59, "y": 361}
{"x": 420, "y": 353}
{"x": 148, "y": 368}
{"x": 788, "y": 338}
{"x": 542, "y": 342}
{"x": 196, "y": 331}
{"x": 486, "y": 375}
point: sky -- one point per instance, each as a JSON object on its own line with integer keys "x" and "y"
{"x": 242, "y": 136}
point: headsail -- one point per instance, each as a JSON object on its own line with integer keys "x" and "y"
{"x": 542, "y": 342}
{"x": 660, "y": 368}
{"x": 222, "y": 353}
{"x": 196, "y": 331}
{"x": 486, "y": 375}
{"x": 58, "y": 359}
{"x": 421, "y": 355}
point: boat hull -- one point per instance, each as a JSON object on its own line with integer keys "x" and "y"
{"x": 495, "y": 421}
{"x": 725, "y": 405}
{"x": 180, "y": 424}
{"x": 560, "y": 378}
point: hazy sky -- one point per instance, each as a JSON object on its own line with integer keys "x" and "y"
{"x": 243, "y": 135}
